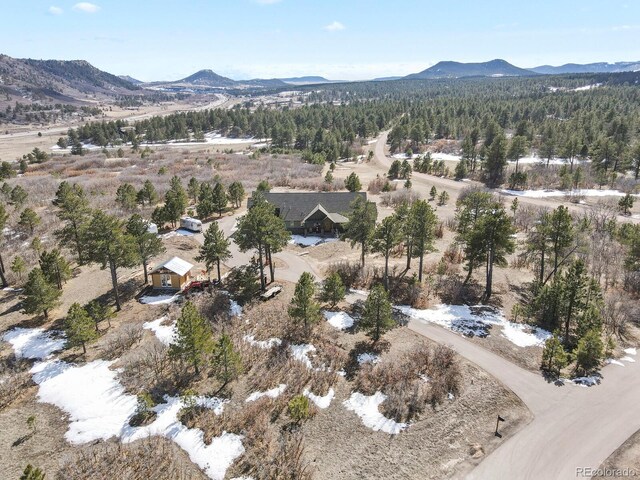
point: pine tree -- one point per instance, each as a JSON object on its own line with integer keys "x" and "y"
{"x": 79, "y": 327}
{"x": 18, "y": 266}
{"x": 148, "y": 245}
{"x": 110, "y": 246}
{"x": 4, "y": 216}
{"x": 471, "y": 207}
{"x": 29, "y": 220}
{"x": 74, "y": 210}
{"x": 333, "y": 290}
{"x": 219, "y": 198}
{"x": 205, "y": 205}
{"x": 175, "y": 201}
{"x": 194, "y": 189}
{"x": 127, "y": 197}
{"x": 147, "y": 195}
{"x": 56, "y": 269}
{"x": 554, "y": 358}
{"x": 443, "y": 198}
{"x": 99, "y": 312}
{"x": 39, "y": 296}
{"x": 517, "y": 149}
{"x": 589, "y": 352}
{"x": 263, "y": 230}
{"x": 226, "y": 361}
{"x": 491, "y": 240}
{"x": 214, "y": 249}
{"x": 432, "y": 193}
{"x": 387, "y": 236}
{"x": 361, "y": 225}
{"x": 352, "y": 183}
{"x": 377, "y": 319}
{"x": 561, "y": 236}
{"x": 423, "y": 223}
{"x": 194, "y": 340}
{"x": 263, "y": 186}
{"x": 303, "y": 308}
{"x": 496, "y": 161}
{"x": 626, "y": 204}
{"x": 236, "y": 194}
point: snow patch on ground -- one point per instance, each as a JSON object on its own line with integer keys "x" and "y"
{"x": 165, "y": 333}
{"x": 235, "y": 309}
{"x": 368, "y": 358}
{"x": 339, "y": 320}
{"x": 33, "y": 343}
{"x": 588, "y": 192}
{"x": 214, "y": 458}
{"x": 273, "y": 393}
{"x": 179, "y": 232}
{"x": 158, "y": 299}
{"x": 628, "y": 359}
{"x": 97, "y": 404}
{"x": 363, "y": 293}
{"x": 301, "y": 352}
{"x": 613, "y": 361}
{"x": 587, "y": 87}
{"x": 366, "y": 407}
{"x": 99, "y": 408}
{"x": 310, "y": 240}
{"x": 589, "y": 381}
{"x": 272, "y": 342}
{"x": 630, "y": 351}
{"x": 320, "y": 402}
{"x": 476, "y": 322}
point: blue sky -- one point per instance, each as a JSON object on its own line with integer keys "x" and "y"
{"x": 340, "y": 39}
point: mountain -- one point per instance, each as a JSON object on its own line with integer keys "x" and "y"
{"x": 385, "y": 79}
{"x": 208, "y": 78}
{"x": 493, "y": 68}
{"x": 129, "y": 79}
{"x": 308, "y": 80}
{"x": 57, "y": 81}
{"x": 266, "y": 83}
{"x": 601, "y": 67}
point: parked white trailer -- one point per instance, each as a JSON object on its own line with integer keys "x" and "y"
{"x": 192, "y": 224}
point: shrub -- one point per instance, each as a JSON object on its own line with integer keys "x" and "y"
{"x": 298, "y": 409}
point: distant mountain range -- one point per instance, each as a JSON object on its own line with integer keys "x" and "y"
{"x": 502, "y": 68}
{"x": 493, "y": 68}
{"x": 601, "y": 67}
{"x": 308, "y": 80}
{"x": 60, "y": 81}
{"x": 69, "y": 81}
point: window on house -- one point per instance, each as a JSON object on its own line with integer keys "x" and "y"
{"x": 165, "y": 280}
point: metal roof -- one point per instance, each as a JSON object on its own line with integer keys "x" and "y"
{"x": 176, "y": 265}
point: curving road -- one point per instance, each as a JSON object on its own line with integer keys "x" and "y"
{"x": 573, "y": 426}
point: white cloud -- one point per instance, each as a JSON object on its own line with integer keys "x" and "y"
{"x": 86, "y": 7}
{"x": 55, "y": 10}
{"x": 334, "y": 26}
